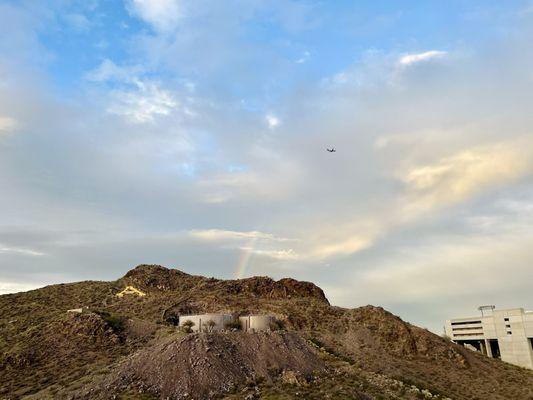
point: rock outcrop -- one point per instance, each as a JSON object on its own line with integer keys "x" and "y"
{"x": 158, "y": 278}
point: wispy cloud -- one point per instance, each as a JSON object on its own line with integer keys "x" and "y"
{"x": 341, "y": 247}
{"x": 272, "y": 121}
{"x": 304, "y": 57}
{"x": 7, "y": 124}
{"x": 410, "y": 59}
{"x": 22, "y": 251}
{"x": 221, "y": 234}
{"x": 285, "y": 255}
{"x": 138, "y": 99}
{"x": 108, "y": 71}
{"x": 163, "y": 15}
{"x": 143, "y": 104}
{"x": 456, "y": 178}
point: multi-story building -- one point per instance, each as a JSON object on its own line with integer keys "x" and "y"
{"x": 505, "y": 334}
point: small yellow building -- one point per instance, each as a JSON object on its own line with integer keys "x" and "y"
{"x": 131, "y": 290}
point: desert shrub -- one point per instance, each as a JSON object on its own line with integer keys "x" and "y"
{"x": 172, "y": 318}
{"x": 331, "y": 351}
{"x": 187, "y": 326}
{"x": 115, "y": 322}
{"x": 276, "y": 325}
{"x": 317, "y": 342}
{"x": 235, "y": 324}
{"x": 209, "y": 325}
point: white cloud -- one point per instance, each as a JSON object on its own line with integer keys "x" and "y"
{"x": 22, "y": 251}
{"x": 15, "y": 287}
{"x": 469, "y": 172}
{"x": 7, "y": 124}
{"x": 163, "y": 15}
{"x": 109, "y": 71}
{"x": 272, "y": 121}
{"x": 220, "y": 234}
{"x": 304, "y": 57}
{"x": 342, "y": 247}
{"x": 144, "y": 104}
{"x": 410, "y": 59}
{"x": 285, "y": 255}
{"x": 251, "y": 242}
{"x": 138, "y": 99}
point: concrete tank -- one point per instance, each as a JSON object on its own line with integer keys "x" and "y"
{"x": 202, "y": 324}
{"x": 256, "y": 323}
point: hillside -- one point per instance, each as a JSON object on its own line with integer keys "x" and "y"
{"x": 130, "y": 347}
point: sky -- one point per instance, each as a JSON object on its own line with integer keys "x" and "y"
{"x": 192, "y": 134}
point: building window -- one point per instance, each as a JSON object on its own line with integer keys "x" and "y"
{"x": 508, "y": 326}
{"x": 466, "y": 322}
{"x": 506, "y": 319}
{"x": 472, "y": 328}
{"x": 509, "y": 332}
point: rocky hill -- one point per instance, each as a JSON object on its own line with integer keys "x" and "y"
{"x": 130, "y": 347}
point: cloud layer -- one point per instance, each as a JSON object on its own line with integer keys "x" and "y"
{"x": 201, "y": 145}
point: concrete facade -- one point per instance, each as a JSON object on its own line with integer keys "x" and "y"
{"x": 256, "y": 323}
{"x": 202, "y": 324}
{"x": 249, "y": 323}
{"x": 505, "y": 334}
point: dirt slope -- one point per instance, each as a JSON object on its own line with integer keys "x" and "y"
{"x": 200, "y": 365}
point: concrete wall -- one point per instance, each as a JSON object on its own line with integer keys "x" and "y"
{"x": 201, "y": 321}
{"x": 515, "y": 347}
{"x": 249, "y": 323}
{"x": 256, "y": 323}
{"x": 512, "y": 328}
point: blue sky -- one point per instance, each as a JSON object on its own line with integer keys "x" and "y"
{"x": 324, "y": 37}
{"x": 192, "y": 134}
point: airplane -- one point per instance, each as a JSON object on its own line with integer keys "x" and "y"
{"x": 332, "y": 150}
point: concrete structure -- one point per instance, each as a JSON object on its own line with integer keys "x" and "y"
{"x": 505, "y": 334}
{"x": 131, "y": 290}
{"x": 218, "y": 322}
{"x": 202, "y": 322}
{"x": 256, "y": 323}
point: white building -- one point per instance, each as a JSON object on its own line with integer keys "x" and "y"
{"x": 256, "y": 323}
{"x": 202, "y": 323}
{"x": 218, "y": 322}
{"x": 505, "y": 334}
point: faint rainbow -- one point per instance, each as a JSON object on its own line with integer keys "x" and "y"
{"x": 244, "y": 259}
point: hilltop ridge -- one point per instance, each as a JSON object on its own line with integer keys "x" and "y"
{"x": 132, "y": 348}
{"x": 150, "y": 277}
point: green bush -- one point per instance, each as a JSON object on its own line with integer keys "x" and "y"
{"x": 115, "y": 322}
